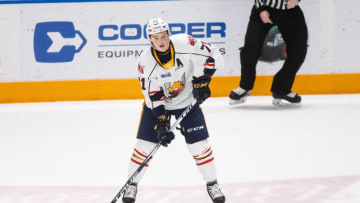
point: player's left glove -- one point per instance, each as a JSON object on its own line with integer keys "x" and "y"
{"x": 201, "y": 90}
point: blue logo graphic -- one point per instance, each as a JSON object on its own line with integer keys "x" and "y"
{"x": 57, "y": 42}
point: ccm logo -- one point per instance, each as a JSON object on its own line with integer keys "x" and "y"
{"x": 195, "y": 129}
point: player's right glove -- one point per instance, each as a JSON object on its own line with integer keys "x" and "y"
{"x": 162, "y": 131}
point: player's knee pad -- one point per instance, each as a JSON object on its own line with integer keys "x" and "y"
{"x": 141, "y": 151}
{"x": 201, "y": 152}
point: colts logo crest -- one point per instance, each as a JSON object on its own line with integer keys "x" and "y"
{"x": 175, "y": 88}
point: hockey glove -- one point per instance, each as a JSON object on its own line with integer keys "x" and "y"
{"x": 201, "y": 90}
{"x": 162, "y": 131}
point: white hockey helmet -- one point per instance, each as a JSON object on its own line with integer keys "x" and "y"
{"x": 156, "y": 25}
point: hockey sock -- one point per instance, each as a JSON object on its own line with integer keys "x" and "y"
{"x": 141, "y": 150}
{"x": 204, "y": 159}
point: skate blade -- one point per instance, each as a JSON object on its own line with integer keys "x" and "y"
{"x": 235, "y": 102}
{"x": 282, "y": 102}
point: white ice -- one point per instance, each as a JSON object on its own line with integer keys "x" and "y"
{"x": 64, "y": 152}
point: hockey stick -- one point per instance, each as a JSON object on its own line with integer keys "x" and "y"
{"x": 132, "y": 177}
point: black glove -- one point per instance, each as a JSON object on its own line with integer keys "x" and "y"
{"x": 201, "y": 90}
{"x": 162, "y": 131}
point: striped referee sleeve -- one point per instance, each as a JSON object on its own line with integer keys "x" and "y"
{"x": 276, "y": 4}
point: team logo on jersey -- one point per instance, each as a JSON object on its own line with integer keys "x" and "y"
{"x": 57, "y": 42}
{"x": 175, "y": 88}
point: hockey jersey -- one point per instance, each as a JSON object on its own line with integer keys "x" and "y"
{"x": 172, "y": 87}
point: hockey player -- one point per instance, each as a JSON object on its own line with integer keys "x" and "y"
{"x": 168, "y": 82}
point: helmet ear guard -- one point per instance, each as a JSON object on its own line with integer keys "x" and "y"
{"x": 156, "y": 25}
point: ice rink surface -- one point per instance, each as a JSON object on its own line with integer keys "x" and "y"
{"x": 78, "y": 152}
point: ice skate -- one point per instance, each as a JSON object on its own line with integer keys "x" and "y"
{"x": 285, "y": 100}
{"x": 130, "y": 194}
{"x": 238, "y": 96}
{"x": 215, "y": 193}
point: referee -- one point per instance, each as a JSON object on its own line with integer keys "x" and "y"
{"x": 289, "y": 18}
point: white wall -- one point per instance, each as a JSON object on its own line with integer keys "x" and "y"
{"x": 333, "y": 28}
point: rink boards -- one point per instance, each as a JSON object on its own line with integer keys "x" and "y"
{"x": 88, "y": 50}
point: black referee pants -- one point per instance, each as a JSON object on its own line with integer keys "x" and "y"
{"x": 292, "y": 26}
